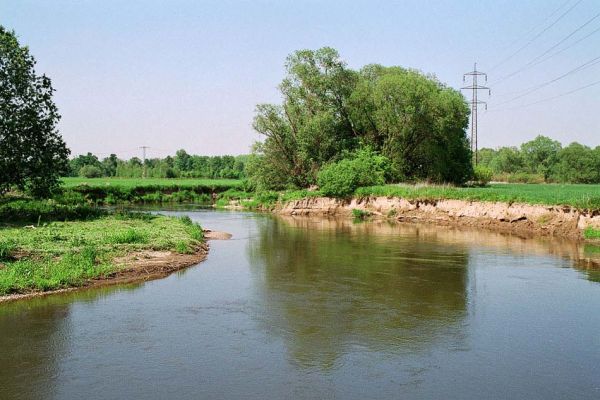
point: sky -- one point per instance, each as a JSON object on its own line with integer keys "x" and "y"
{"x": 188, "y": 74}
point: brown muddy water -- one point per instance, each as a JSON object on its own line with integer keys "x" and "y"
{"x": 323, "y": 309}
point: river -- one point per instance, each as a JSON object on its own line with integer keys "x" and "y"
{"x": 295, "y": 308}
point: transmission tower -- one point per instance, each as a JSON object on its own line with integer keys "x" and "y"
{"x": 144, "y": 148}
{"x": 474, "y": 87}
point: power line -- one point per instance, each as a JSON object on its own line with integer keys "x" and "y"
{"x": 549, "y": 98}
{"x": 536, "y": 61}
{"x": 535, "y": 88}
{"x": 538, "y": 34}
{"x": 553, "y": 55}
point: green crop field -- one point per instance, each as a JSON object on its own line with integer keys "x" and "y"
{"x": 127, "y": 183}
{"x": 580, "y": 196}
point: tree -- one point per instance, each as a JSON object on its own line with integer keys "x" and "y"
{"x": 329, "y": 111}
{"x": 33, "y": 155}
{"x": 540, "y": 155}
{"x": 83, "y": 160}
{"x": 578, "y": 164}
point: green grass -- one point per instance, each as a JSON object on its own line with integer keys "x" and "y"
{"x": 591, "y": 233}
{"x": 23, "y": 210}
{"x": 128, "y": 183}
{"x": 359, "y": 214}
{"x": 64, "y": 254}
{"x": 580, "y": 196}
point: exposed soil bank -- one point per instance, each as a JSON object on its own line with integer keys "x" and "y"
{"x": 523, "y": 219}
{"x": 138, "y": 267}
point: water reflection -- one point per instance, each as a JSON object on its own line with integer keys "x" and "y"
{"x": 327, "y": 287}
{"x": 35, "y": 335}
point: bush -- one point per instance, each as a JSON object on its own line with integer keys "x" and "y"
{"x": 90, "y": 171}
{"x": 342, "y": 178}
{"x": 482, "y": 175}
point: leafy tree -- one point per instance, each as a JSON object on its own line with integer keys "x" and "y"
{"x": 540, "y": 154}
{"x": 109, "y": 165}
{"x": 578, "y": 164}
{"x": 32, "y": 153}
{"x": 507, "y": 160}
{"x": 329, "y": 110}
{"x": 81, "y": 161}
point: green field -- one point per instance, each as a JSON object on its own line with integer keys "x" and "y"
{"x": 580, "y": 196}
{"x": 65, "y": 254}
{"x": 127, "y": 183}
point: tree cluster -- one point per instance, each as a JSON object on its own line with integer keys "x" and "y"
{"x": 182, "y": 165}
{"x": 544, "y": 160}
{"x": 329, "y": 111}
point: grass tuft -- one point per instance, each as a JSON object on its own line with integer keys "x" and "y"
{"x": 591, "y": 233}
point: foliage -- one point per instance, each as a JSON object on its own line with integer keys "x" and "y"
{"x": 32, "y": 153}
{"x": 90, "y": 171}
{"x": 482, "y": 175}
{"x": 359, "y": 214}
{"x": 329, "y": 110}
{"x": 125, "y": 190}
{"x": 40, "y": 211}
{"x": 342, "y": 178}
{"x": 63, "y": 254}
{"x": 182, "y": 165}
{"x": 591, "y": 233}
{"x": 578, "y": 164}
{"x": 543, "y": 160}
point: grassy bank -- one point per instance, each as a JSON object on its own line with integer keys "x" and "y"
{"x": 580, "y": 196}
{"x": 66, "y": 254}
{"x": 133, "y": 190}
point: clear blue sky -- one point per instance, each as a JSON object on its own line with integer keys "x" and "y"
{"x": 188, "y": 74}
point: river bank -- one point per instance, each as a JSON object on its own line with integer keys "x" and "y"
{"x": 65, "y": 256}
{"x": 524, "y": 219}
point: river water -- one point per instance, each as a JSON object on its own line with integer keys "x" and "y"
{"x": 295, "y": 308}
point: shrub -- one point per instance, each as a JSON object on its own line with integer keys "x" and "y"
{"x": 90, "y": 171}
{"x": 360, "y": 214}
{"x": 342, "y": 178}
{"x": 482, "y": 175}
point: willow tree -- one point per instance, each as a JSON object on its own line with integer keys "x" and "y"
{"x": 312, "y": 125}
{"x": 32, "y": 153}
{"x": 329, "y": 110}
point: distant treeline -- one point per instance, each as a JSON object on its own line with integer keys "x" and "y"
{"x": 543, "y": 160}
{"x": 182, "y": 165}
